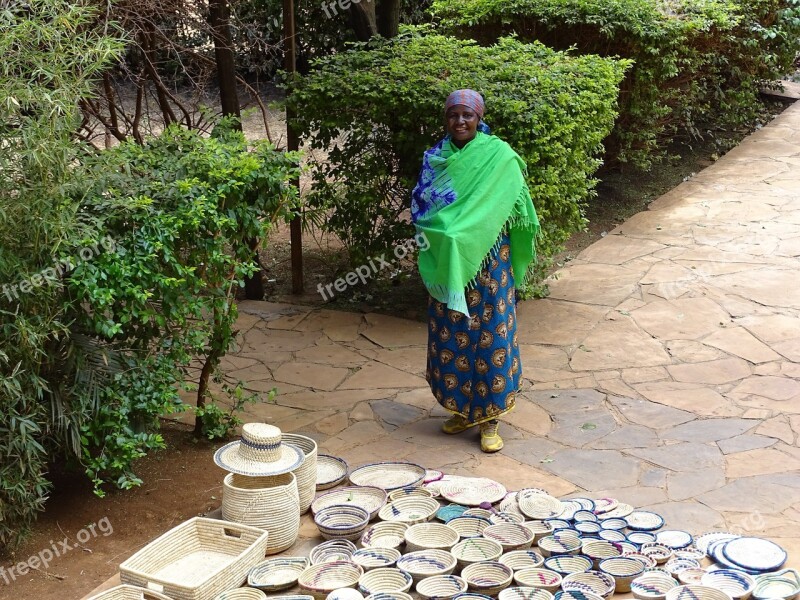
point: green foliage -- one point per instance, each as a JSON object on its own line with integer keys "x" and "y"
{"x": 219, "y": 423}
{"x": 695, "y": 60}
{"x": 375, "y": 108}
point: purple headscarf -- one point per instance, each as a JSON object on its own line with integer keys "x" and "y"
{"x": 468, "y": 98}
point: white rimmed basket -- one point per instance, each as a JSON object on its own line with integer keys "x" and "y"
{"x": 540, "y": 529}
{"x": 409, "y": 510}
{"x": 306, "y": 473}
{"x": 441, "y": 587}
{"x": 560, "y": 542}
{"x": 512, "y": 536}
{"x": 277, "y": 574}
{"x": 331, "y": 471}
{"x": 129, "y": 592}
{"x": 696, "y": 592}
{"x": 269, "y": 503}
{"x": 594, "y": 582}
{"x": 623, "y": 570}
{"x": 598, "y": 550}
{"x": 242, "y": 594}
{"x": 341, "y": 522}
{"x": 524, "y": 593}
{"x": 385, "y": 579}
{"x": 429, "y": 536}
{"x": 487, "y": 577}
{"x": 427, "y": 563}
{"x": 369, "y": 498}
{"x": 321, "y": 579}
{"x": 332, "y": 551}
{"x": 472, "y": 550}
{"x": 386, "y": 534}
{"x": 652, "y": 586}
{"x": 375, "y": 558}
{"x": 388, "y": 475}
{"x": 537, "y": 577}
{"x": 469, "y": 526}
{"x": 539, "y": 506}
{"x": 736, "y": 584}
{"x": 197, "y": 559}
{"x": 522, "y": 559}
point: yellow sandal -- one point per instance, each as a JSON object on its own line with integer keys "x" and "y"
{"x": 490, "y": 439}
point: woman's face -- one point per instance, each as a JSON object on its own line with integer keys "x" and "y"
{"x": 462, "y": 123}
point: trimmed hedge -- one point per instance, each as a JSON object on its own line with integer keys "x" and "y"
{"x": 375, "y": 108}
{"x": 696, "y": 61}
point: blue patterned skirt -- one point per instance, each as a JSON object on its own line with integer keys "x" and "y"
{"x": 474, "y": 366}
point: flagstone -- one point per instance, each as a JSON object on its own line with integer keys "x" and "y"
{"x": 330, "y": 354}
{"x": 542, "y": 357}
{"x": 530, "y": 417}
{"x": 740, "y": 342}
{"x": 593, "y": 470}
{"x": 794, "y": 421}
{"x": 636, "y": 496}
{"x": 628, "y": 436}
{"x": 301, "y": 420}
{"x": 768, "y": 286}
{"x": 556, "y": 323}
{"x": 420, "y": 397}
{"x": 650, "y": 414}
{"x": 577, "y": 429}
{"x": 376, "y": 375}
{"x": 568, "y": 401}
{"x": 775, "y": 388}
{"x": 772, "y": 328}
{"x": 337, "y": 325}
{"x": 687, "y": 485}
{"x": 778, "y": 428}
{"x": 713, "y": 372}
{"x": 667, "y": 272}
{"x": 790, "y": 247}
{"x": 535, "y": 451}
{"x": 745, "y": 170}
{"x": 762, "y": 493}
{"x": 391, "y": 332}
{"x": 683, "y": 456}
{"x": 259, "y": 340}
{"x": 267, "y": 412}
{"x": 789, "y": 348}
{"x": 691, "y": 397}
{"x": 689, "y": 318}
{"x": 606, "y": 375}
{"x": 265, "y": 386}
{"x": 333, "y": 424}
{"x": 771, "y": 368}
{"x": 362, "y": 412}
{"x": 310, "y": 375}
{"x": 689, "y": 516}
{"x": 616, "y": 387}
{"x": 618, "y": 249}
{"x": 395, "y": 414}
{"x": 761, "y": 461}
{"x": 545, "y": 375}
{"x": 688, "y": 351}
{"x": 617, "y": 345}
{"x": 378, "y": 450}
{"x": 336, "y": 400}
{"x": 357, "y": 434}
{"x": 643, "y": 374}
{"x": 708, "y": 430}
{"x": 256, "y": 372}
{"x": 515, "y": 475}
{"x": 595, "y": 284}
{"x": 742, "y": 443}
{"x": 654, "y": 477}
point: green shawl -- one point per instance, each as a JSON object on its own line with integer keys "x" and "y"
{"x": 462, "y": 203}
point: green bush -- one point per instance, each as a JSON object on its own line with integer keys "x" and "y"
{"x": 375, "y": 108}
{"x": 696, "y": 61}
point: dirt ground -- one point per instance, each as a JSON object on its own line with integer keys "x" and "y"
{"x": 183, "y": 481}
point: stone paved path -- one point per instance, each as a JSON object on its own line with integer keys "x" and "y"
{"x": 664, "y": 368}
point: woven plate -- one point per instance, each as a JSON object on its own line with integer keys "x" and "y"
{"x": 509, "y": 504}
{"x": 676, "y": 565}
{"x": 620, "y": 511}
{"x": 755, "y": 554}
{"x": 696, "y": 592}
{"x": 331, "y": 471}
{"x": 432, "y": 475}
{"x": 522, "y": 559}
{"x": 783, "y": 584}
{"x": 692, "y": 576}
{"x": 734, "y": 583}
{"x": 540, "y": 506}
{"x": 674, "y": 538}
{"x": 277, "y": 573}
{"x": 370, "y": 499}
{"x": 704, "y": 541}
{"x": 321, "y": 579}
{"x": 611, "y": 535}
{"x": 603, "y": 505}
{"x": 449, "y": 512}
{"x": 472, "y": 492}
{"x": 507, "y": 517}
{"x": 659, "y": 552}
{"x": 642, "y": 537}
{"x": 388, "y": 475}
{"x": 644, "y": 520}
{"x": 409, "y": 510}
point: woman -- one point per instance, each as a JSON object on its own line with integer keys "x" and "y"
{"x": 474, "y": 207}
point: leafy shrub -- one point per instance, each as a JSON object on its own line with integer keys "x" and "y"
{"x": 695, "y": 60}
{"x": 377, "y": 107}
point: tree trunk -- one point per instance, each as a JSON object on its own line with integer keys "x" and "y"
{"x": 364, "y": 20}
{"x": 389, "y": 18}
{"x": 219, "y": 19}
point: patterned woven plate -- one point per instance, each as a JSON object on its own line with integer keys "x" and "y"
{"x": 755, "y": 554}
{"x": 432, "y": 475}
{"x": 331, "y": 471}
{"x": 277, "y": 573}
{"x": 473, "y": 491}
{"x": 540, "y": 506}
{"x": 704, "y": 541}
{"x": 603, "y": 505}
{"x": 620, "y": 511}
{"x": 644, "y": 520}
{"x": 388, "y": 475}
{"x": 371, "y": 499}
{"x": 674, "y": 538}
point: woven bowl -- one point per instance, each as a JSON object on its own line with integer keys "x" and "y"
{"x": 524, "y": 593}
{"x": 420, "y": 492}
{"x": 659, "y": 552}
{"x": 641, "y": 537}
{"x": 784, "y": 584}
{"x": 696, "y": 592}
{"x": 585, "y": 515}
{"x": 375, "y": 558}
{"x": 676, "y": 565}
{"x": 506, "y": 517}
{"x": 387, "y": 534}
{"x": 588, "y": 527}
{"x": 623, "y": 570}
{"x": 512, "y": 536}
{"x": 479, "y": 512}
{"x": 647, "y": 561}
{"x": 321, "y": 579}
{"x": 616, "y": 524}
{"x": 450, "y": 511}
{"x": 427, "y": 563}
{"x": 536, "y": 577}
{"x": 736, "y": 584}
{"x": 693, "y": 576}
{"x": 540, "y": 529}
{"x": 473, "y": 550}
{"x": 471, "y": 596}
{"x": 390, "y": 596}
{"x": 487, "y": 577}
{"x": 576, "y": 595}
{"x": 469, "y": 526}
{"x": 593, "y": 582}
{"x": 598, "y": 550}
{"x": 429, "y": 536}
{"x": 341, "y": 521}
{"x": 345, "y": 594}
{"x": 611, "y": 535}
{"x": 441, "y": 587}
{"x": 331, "y": 471}
{"x": 564, "y": 565}
{"x": 331, "y": 551}
{"x": 652, "y": 586}
{"x": 411, "y": 510}
{"x": 371, "y": 499}
{"x": 384, "y": 580}
{"x": 561, "y": 542}
{"x": 277, "y": 574}
{"x": 522, "y": 559}
{"x": 241, "y": 594}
